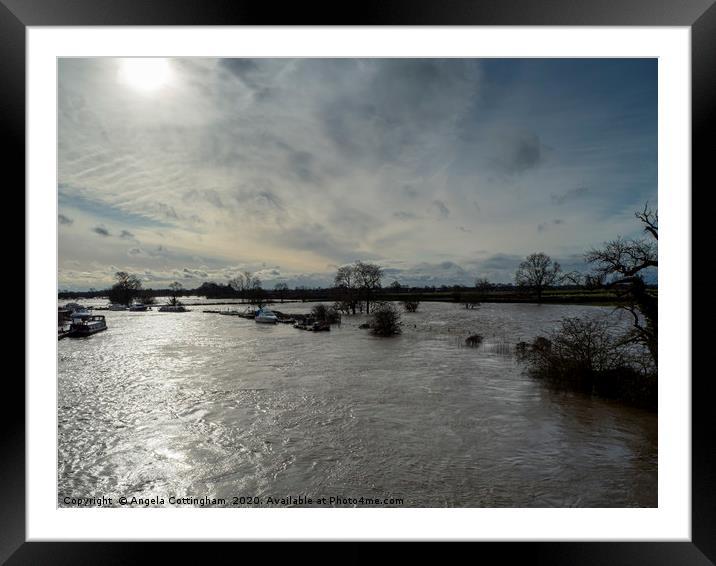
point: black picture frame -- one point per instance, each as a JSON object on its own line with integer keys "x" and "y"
{"x": 699, "y": 15}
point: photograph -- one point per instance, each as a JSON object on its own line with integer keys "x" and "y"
{"x": 357, "y": 282}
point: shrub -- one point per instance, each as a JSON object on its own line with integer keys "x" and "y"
{"x": 587, "y": 355}
{"x": 474, "y": 341}
{"x": 342, "y": 307}
{"x": 322, "y": 313}
{"x": 411, "y": 306}
{"x": 385, "y": 320}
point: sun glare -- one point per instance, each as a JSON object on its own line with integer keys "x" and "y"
{"x": 144, "y": 74}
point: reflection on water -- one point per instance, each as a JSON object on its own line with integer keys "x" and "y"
{"x": 201, "y": 405}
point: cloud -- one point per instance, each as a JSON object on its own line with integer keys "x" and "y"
{"x": 240, "y": 67}
{"x": 306, "y": 163}
{"x": 210, "y": 196}
{"x": 300, "y": 163}
{"x": 569, "y": 196}
{"x": 410, "y": 191}
{"x": 501, "y": 261}
{"x": 389, "y": 105}
{"x": 193, "y": 273}
{"x": 101, "y": 230}
{"x": 62, "y": 219}
{"x": 252, "y": 73}
{"x": 317, "y": 239}
{"x": 518, "y": 153}
{"x": 438, "y": 208}
{"x": 258, "y": 200}
{"x": 545, "y": 225}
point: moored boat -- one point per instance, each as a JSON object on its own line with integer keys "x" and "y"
{"x": 266, "y": 316}
{"x": 138, "y": 307}
{"x": 86, "y": 325}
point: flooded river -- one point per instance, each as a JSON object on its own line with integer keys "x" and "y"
{"x": 202, "y": 405}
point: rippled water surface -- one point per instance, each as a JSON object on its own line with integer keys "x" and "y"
{"x": 201, "y": 405}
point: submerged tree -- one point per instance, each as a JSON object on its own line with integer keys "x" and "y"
{"x": 175, "y": 289}
{"x": 411, "y": 305}
{"x": 246, "y": 285}
{"x": 368, "y": 277}
{"x": 620, "y": 265}
{"x": 346, "y": 285}
{"x": 146, "y": 297}
{"x": 281, "y": 289}
{"x": 356, "y": 284}
{"x": 256, "y": 293}
{"x": 126, "y": 289}
{"x": 323, "y": 313}
{"x": 587, "y": 354}
{"x": 385, "y": 320}
{"x": 537, "y": 272}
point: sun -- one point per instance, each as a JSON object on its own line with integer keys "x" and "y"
{"x": 145, "y": 74}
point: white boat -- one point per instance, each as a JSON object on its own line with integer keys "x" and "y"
{"x": 172, "y": 308}
{"x": 266, "y": 316}
{"x": 73, "y": 308}
{"x": 80, "y": 312}
{"x": 138, "y": 307}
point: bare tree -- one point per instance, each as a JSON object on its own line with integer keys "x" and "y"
{"x": 586, "y": 353}
{"x": 356, "y": 284}
{"x": 483, "y": 286}
{"x": 620, "y": 265}
{"x": 175, "y": 288}
{"x": 537, "y": 272}
{"x": 256, "y": 293}
{"x": 579, "y": 348}
{"x": 347, "y": 287}
{"x": 281, "y": 289}
{"x": 126, "y": 288}
{"x": 650, "y": 219}
{"x": 368, "y": 277}
{"x": 237, "y": 284}
{"x": 244, "y": 284}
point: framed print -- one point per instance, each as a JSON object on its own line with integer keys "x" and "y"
{"x": 388, "y": 279}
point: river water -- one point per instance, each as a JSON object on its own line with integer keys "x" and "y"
{"x": 202, "y": 405}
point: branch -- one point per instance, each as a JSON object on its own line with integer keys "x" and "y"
{"x": 651, "y": 219}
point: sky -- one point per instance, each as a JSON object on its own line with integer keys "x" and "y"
{"x": 439, "y": 170}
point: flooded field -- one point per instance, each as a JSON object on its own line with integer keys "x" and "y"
{"x": 201, "y": 405}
